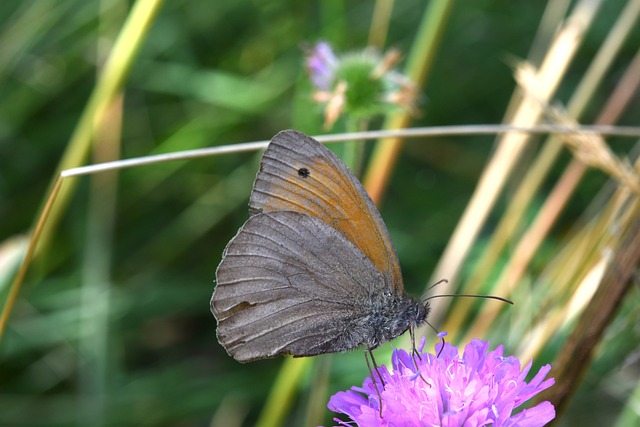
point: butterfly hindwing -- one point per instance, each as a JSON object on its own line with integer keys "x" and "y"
{"x": 290, "y": 284}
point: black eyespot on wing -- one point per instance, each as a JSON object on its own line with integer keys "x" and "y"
{"x": 330, "y": 193}
{"x": 303, "y": 173}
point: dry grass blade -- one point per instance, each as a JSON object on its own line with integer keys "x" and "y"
{"x": 576, "y": 355}
{"x": 14, "y": 291}
{"x": 521, "y": 201}
{"x": 510, "y": 147}
{"x": 571, "y": 280}
{"x": 590, "y": 149}
{"x": 593, "y": 151}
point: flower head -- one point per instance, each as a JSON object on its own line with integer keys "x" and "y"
{"x": 321, "y": 65}
{"x": 360, "y": 84}
{"x": 477, "y": 388}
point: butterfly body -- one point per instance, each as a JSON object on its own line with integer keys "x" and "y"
{"x": 313, "y": 270}
{"x": 390, "y": 317}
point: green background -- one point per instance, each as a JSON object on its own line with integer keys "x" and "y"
{"x": 213, "y": 73}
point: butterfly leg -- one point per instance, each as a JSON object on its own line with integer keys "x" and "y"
{"x": 414, "y": 353}
{"x": 369, "y": 352}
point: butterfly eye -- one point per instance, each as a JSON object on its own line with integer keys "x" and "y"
{"x": 303, "y": 173}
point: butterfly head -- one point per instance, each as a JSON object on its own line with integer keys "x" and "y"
{"x": 421, "y": 311}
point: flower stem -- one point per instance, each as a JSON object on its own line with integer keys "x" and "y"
{"x": 353, "y": 151}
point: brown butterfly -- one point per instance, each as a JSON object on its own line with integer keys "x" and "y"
{"x": 313, "y": 270}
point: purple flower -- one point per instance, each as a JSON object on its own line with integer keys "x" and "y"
{"x": 359, "y": 84}
{"x": 321, "y": 66}
{"x": 479, "y": 388}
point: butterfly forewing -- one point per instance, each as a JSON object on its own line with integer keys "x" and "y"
{"x": 299, "y": 174}
{"x": 290, "y": 284}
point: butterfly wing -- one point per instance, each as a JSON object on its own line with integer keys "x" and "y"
{"x": 290, "y": 284}
{"x": 299, "y": 174}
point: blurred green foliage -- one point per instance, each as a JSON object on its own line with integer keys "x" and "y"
{"x": 214, "y": 73}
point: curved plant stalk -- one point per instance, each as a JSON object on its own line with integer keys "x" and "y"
{"x": 14, "y": 290}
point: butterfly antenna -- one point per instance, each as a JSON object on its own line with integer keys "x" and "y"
{"x": 508, "y": 301}
{"x": 439, "y": 282}
{"x": 461, "y": 295}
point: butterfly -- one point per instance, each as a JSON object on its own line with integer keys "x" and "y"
{"x": 313, "y": 270}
